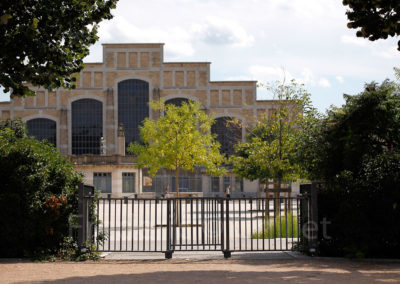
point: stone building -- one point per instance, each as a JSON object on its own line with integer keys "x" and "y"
{"x": 85, "y": 123}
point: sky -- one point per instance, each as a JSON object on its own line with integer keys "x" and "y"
{"x": 263, "y": 40}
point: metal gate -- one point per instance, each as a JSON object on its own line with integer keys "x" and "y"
{"x": 196, "y": 224}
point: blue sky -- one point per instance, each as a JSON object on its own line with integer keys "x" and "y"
{"x": 258, "y": 40}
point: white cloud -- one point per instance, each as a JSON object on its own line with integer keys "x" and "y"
{"x": 265, "y": 74}
{"x": 340, "y": 79}
{"x": 218, "y": 31}
{"x": 353, "y": 40}
{"x": 323, "y": 82}
{"x": 388, "y": 53}
{"x": 121, "y": 30}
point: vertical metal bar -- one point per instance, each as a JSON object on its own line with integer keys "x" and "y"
{"x": 186, "y": 225}
{"x": 180, "y": 222}
{"x": 227, "y": 227}
{"x": 263, "y": 222}
{"x": 97, "y": 223}
{"x": 155, "y": 225}
{"x": 245, "y": 223}
{"x": 138, "y": 224}
{"x": 240, "y": 224}
{"x": 258, "y": 203}
{"x": 168, "y": 225}
{"x": 208, "y": 223}
{"x": 191, "y": 221}
{"x": 161, "y": 223}
{"x": 150, "y": 224}
{"x": 109, "y": 224}
{"x": 197, "y": 222}
{"x": 286, "y": 224}
{"x": 132, "y": 218}
{"x": 202, "y": 223}
{"x": 144, "y": 224}
{"x": 234, "y": 223}
{"x": 251, "y": 224}
{"x": 115, "y": 224}
{"x": 175, "y": 214}
{"x": 275, "y": 210}
{"x": 292, "y": 213}
{"x": 126, "y": 223}
{"x": 120, "y": 227}
{"x": 280, "y": 221}
{"x": 222, "y": 226}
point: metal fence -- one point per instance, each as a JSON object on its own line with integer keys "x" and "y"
{"x": 197, "y": 224}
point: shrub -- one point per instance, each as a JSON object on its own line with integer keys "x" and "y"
{"x": 279, "y": 227}
{"x": 38, "y": 193}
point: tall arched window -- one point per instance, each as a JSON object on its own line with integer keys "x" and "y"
{"x": 133, "y": 108}
{"x": 87, "y": 126}
{"x": 176, "y": 101}
{"x": 43, "y": 129}
{"x": 228, "y": 134}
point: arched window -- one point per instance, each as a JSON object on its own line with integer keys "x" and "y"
{"x": 176, "y": 101}
{"x": 43, "y": 129}
{"x": 228, "y": 134}
{"x": 133, "y": 108}
{"x": 87, "y": 126}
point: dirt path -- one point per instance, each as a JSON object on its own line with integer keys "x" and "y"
{"x": 202, "y": 271}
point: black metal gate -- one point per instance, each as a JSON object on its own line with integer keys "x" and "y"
{"x": 196, "y": 224}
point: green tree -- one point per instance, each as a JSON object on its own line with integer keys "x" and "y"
{"x": 43, "y": 42}
{"x": 38, "y": 193}
{"x": 270, "y": 151}
{"x": 355, "y": 149}
{"x": 181, "y": 139}
{"x": 375, "y": 19}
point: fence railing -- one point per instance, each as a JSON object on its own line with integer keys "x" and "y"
{"x": 197, "y": 224}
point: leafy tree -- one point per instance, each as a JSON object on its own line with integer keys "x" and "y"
{"x": 270, "y": 151}
{"x": 375, "y": 19}
{"x": 179, "y": 140}
{"x": 43, "y": 42}
{"x": 366, "y": 126}
{"x": 38, "y": 193}
{"x": 356, "y": 151}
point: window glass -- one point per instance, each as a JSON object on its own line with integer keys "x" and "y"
{"x": 87, "y": 126}
{"x": 102, "y": 182}
{"x": 227, "y": 133}
{"x": 215, "y": 184}
{"x": 227, "y": 182}
{"x": 238, "y": 184}
{"x": 43, "y": 129}
{"x": 128, "y": 182}
{"x": 176, "y": 101}
{"x": 133, "y": 108}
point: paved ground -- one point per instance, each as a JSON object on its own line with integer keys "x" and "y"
{"x": 189, "y": 268}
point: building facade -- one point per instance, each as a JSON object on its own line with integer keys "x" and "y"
{"x": 85, "y": 123}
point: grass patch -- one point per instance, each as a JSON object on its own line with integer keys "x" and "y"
{"x": 279, "y": 227}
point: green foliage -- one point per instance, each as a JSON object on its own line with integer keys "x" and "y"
{"x": 365, "y": 127}
{"x": 375, "y": 19}
{"x": 38, "y": 193}
{"x": 356, "y": 150}
{"x": 43, "y": 42}
{"x": 286, "y": 226}
{"x": 179, "y": 140}
{"x": 270, "y": 149}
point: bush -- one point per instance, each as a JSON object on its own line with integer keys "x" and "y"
{"x": 38, "y": 193}
{"x": 279, "y": 227}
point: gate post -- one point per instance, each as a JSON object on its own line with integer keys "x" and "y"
{"x": 227, "y": 252}
{"x": 83, "y": 213}
{"x": 169, "y": 251}
{"x": 313, "y": 229}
